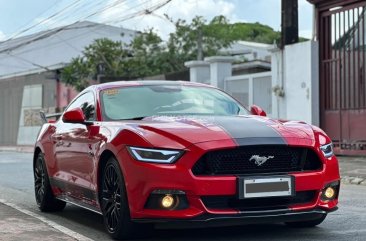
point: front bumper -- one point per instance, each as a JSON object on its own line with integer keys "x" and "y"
{"x": 144, "y": 178}
{"x": 210, "y": 220}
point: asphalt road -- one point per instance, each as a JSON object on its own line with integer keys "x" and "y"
{"x": 348, "y": 223}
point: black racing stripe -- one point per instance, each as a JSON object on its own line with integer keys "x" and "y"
{"x": 260, "y": 141}
{"x": 249, "y": 131}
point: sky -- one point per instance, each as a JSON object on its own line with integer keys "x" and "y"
{"x": 17, "y": 16}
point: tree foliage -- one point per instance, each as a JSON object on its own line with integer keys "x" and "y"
{"x": 199, "y": 37}
{"x": 103, "y": 56}
{"x": 149, "y": 55}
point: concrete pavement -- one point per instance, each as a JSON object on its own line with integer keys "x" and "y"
{"x": 16, "y": 225}
{"x": 353, "y": 169}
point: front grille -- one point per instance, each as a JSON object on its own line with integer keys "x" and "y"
{"x": 240, "y": 160}
{"x": 258, "y": 204}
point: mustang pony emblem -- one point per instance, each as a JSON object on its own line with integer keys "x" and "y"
{"x": 259, "y": 160}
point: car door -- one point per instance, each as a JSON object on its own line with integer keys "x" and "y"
{"x": 74, "y": 147}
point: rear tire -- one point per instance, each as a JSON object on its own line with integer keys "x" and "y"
{"x": 45, "y": 199}
{"x": 307, "y": 224}
{"x": 114, "y": 205}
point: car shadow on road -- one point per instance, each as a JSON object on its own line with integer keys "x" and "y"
{"x": 81, "y": 220}
{"x": 245, "y": 232}
{"x": 91, "y": 225}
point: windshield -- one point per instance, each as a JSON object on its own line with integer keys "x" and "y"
{"x": 156, "y": 100}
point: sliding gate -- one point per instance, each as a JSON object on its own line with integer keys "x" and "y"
{"x": 343, "y": 76}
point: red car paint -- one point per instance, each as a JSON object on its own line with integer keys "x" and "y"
{"x": 73, "y": 153}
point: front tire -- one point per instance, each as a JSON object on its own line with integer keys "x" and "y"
{"x": 44, "y": 197}
{"x": 114, "y": 204}
{"x": 307, "y": 224}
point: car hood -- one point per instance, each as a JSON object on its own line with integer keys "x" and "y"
{"x": 242, "y": 130}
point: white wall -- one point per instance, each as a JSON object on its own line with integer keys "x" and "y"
{"x": 296, "y": 70}
{"x": 238, "y": 87}
{"x": 28, "y": 126}
{"x": 251, "y": 89}
{"x": 199, "y": 71}
{"x": 290, "y": 91}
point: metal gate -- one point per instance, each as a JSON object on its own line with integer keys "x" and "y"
{"x": 342, "y": 40}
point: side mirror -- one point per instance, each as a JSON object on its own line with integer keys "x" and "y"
{"x": 256, "y": 110}
{"x": 73, "y": 116}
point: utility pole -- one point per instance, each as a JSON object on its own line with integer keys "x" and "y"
{"x": 289, "y": 22}
{"x": 100, "y": 72}
{"x": 199, "y": 44}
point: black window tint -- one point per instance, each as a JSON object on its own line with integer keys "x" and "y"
{"x": 86, "y": 103}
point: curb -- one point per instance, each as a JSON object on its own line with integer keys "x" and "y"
{"x": 51, "y": 225}
{"x": 353, "y": 180}
{"x": 24, "y": 149}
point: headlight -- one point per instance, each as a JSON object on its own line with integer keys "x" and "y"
{"x": 327, "y": 150}
{"x": 154, "y": 155}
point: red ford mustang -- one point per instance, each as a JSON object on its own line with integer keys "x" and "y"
{"x": 150, "y": 152}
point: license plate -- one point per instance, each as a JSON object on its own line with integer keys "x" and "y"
{"x": 256, "y": 187}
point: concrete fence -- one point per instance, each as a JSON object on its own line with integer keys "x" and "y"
{"x": 289, "y": 91}
{"x": 251, "y": 89}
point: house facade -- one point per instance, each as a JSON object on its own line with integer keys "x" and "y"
{"x": 29, "y": 75}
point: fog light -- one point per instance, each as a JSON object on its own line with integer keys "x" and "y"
{"x": 167, "y": 201}
{"x": 329, "y": 192}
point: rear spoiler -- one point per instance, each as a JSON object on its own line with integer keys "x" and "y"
{"x": 45, "y": 118}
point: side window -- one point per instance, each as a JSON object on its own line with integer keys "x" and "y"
{"x": 86, "y": 103}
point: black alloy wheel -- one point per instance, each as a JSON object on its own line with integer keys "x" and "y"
{"x": 111, "y": 198}
{"x": 43, "y": 193}
{"x": 39, "y": 181}
{"x": 114, "y": 204}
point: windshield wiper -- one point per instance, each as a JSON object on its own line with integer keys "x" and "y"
{"x": 134, "y": 118}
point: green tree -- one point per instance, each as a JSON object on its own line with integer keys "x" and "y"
{"x": 148, "y": 55}
{"x": 199, "y": 38}
{"x": 103, "y": 56}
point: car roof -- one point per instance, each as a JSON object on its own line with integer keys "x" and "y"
{"x": 117, "y": 84}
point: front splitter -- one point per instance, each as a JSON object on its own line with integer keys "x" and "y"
{"x": 243, "y": 218}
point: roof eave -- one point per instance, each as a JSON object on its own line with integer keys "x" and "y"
{"x": 33, "y": 71}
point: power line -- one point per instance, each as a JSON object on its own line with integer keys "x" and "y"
{"x": 141, "y": 12}
{"x": 118, "y": 2}
{"x": 76, "y": 6}
{"x": 85, "y": 11}
{"x": 55, "y": 31}
{"x": 77, "y": 12}
{"x": 45, "y": 34}
{"x": 44, "y": 20}
{"x": 100, "y": 11}
{"x": 50, "y": 33}
{"x": 29, "y": 62}
{"x": 38, "y": 15}
{"x": 63, "y": 40}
